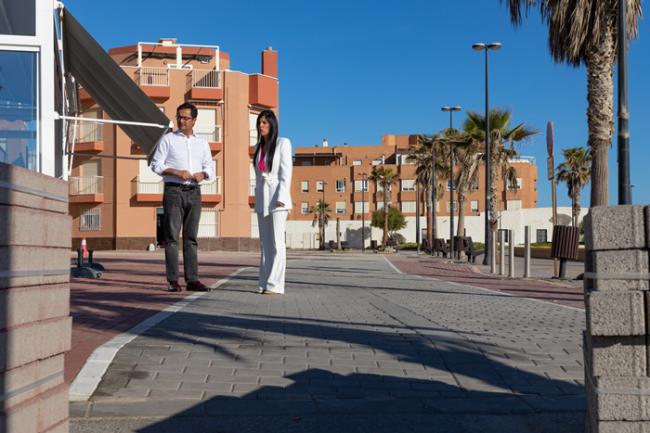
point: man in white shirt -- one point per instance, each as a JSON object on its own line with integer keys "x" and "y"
{"x": 183, "y": 160}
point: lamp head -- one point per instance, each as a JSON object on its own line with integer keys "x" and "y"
{"x": 478, "y": 47}
{"x": 494, "y": 46}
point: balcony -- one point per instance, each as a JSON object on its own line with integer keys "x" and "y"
{"x": 213, "y": 138}
{"x": 154, "y": 82}
{"x": 205, "y": 84}
{"x": 263, "y": 91}
{"x": 89, "y": 138}
{"x": 152, "y": 192}
{"x": 86, "y": 189}
{"x": 251, "y": 191}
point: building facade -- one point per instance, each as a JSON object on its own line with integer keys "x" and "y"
{"x": 115, "y": 198}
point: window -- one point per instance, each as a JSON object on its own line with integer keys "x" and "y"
{"x": 376, "y": 162}
{"x": 380, "y": 205}
{"x": 304, "y": 208}
{"x": 514, "y": 185}
{"x": 513, "y": 204}
{"x": 252, "y": 129}
{"x": 408, "y": 184}
{"x": 320, "y": 186}
{"x": 18, "y": 17}
{"x": 356, "y": 162}
{"x": 208, "y": 224}
{"x": 206, "y": 125}
{"x": 474, "y": 205}
{"x": 360, "y": 185}
{"x": 304, "y": 186}
{"x": 541, "y": 235}
{"x": 408, "y": 206}
{"x": 19, "y": 117}
{"x": 90, "y": 220}
{"x": 340, "y": 185}
{"x": 90, "y": 131}
{"x": 341, "y": 207}
{"x": 404, "y": 159}
{"x": 449, "y": 185}
{"x": 380, "y": 188}
{"x": 359, "y": 205}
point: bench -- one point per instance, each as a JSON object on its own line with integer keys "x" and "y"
{"x": 470, "y": 251}
{"x": 440, "y": 246}
{"x": 345, "y": 245}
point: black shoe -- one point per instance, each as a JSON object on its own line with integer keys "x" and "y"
{"x": 197, "y": 286}
{"x": 173, "y": 286}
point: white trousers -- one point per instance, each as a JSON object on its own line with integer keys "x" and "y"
{"x": 273, "y": 261}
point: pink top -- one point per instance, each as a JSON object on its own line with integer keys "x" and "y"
{"x": 261, "y": 165}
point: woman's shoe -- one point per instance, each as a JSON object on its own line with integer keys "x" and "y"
{"x": 271, "y": 292}
{"x": 260, "y": 291}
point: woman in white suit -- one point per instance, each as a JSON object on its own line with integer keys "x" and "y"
{"x": 273, "y": 164}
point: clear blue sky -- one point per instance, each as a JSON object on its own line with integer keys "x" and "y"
{"x": 353, "y": 70}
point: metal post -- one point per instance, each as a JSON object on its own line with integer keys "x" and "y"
{"x": 511, "y": 253}
{"x": 417, "y": 216}
{"x": 433, "y": 198}
{"x": 493, "y": 263}
{"x": 624, "y": 188}
{"x": 363, "y": 215}
{"x": 322, "y": 209}
{"x": 502, "y": 252}
{"x": 527, "y": 252}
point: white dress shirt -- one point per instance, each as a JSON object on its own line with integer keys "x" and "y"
{"x": 177, "y": 150}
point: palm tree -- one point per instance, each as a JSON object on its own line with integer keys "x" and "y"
{"x": 423, "y": 155}
{"x": 575, "y": 171}
{"x": 383, "y": 178}
{"x": 500, "y": 133}
{"x": 585, "y": 32}
{"x": 321, "y": 218}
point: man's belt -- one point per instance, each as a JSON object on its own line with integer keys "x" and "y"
{"x": 181, "y": 186}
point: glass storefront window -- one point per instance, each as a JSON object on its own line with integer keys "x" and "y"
{"x": 18, "y": 108}
{"x": 18, "y": 17}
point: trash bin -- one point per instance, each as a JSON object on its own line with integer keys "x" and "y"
{"x": 373, "y": 244}
{"x": 565, "y": 245}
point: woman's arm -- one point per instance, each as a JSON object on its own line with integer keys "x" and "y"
{"x": 284, "y": 173}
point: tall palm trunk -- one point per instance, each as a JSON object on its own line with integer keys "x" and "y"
{"x": 385, "y": 237}
{"x": 427, "y": 203}
{"x": 494, "y": 171}
{"x": 600, "y": 113}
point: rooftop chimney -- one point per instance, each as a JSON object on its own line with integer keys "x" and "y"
{"x": 325, "y": 143}
{"x": 270, "y": 62}
{"x": 167, "y": 42}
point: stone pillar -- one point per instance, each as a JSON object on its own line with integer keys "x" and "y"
{"x": 35, "y": 328}
{"x": 616, "y": 339}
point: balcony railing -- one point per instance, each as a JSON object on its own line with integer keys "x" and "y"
{"x": 211, "y": 137}
{"x": 251, "y": 187}
{"x": 86, "y": 185}
{"x": 89, "y": 132}
{"x": 206, "y": 79}
{"x": 147, "y": 76}
{"x": 159, "y": 187}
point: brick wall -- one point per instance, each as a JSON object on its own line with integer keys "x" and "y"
{"x": 35, "y": 322}
{"x": 617, "y": 299}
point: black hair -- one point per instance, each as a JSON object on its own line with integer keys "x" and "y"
{"x": 188, "y": 106}
{"x": 270, "y": 117}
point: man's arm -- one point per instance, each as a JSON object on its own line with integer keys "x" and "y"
{"x": 159, "y": 166}
{"x": 207, "y": 172}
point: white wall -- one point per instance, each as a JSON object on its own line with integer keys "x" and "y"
{"x": 301, "y": 234}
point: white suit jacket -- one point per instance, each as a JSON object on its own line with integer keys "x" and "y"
{"x": 274, "y": 185}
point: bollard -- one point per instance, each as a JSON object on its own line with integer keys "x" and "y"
{"x": 527, "y": 252}
{"x": 502, "y": 252}
{"x": 80, "y": 259}
{"x": 511, "y": 253}
{"x": 493, "y": 256}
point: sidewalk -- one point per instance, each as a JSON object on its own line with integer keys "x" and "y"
{"x": 353, "y": 346}
{"x": 131, "y": 290}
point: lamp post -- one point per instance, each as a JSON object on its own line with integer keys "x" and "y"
{"x": 487, "y": 257}
{"x": 417, "y": 216}
{"x": 363, "y": 213}
{"x": 624, "y": 188}
{"x": 433, "y": 198}
{"x": 451, "y": 179}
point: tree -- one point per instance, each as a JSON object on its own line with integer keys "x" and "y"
{"x": 321, "y": 214}
{"x": 396, "y": 220}
{"x": 585, "y": 32}
{"x": 383, "y": 178}
{"x": 500, "y": 133}
{"x": 575, "y": 172}
{"x": 423, "y": 157}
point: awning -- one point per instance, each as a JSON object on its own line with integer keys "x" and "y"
{"x": 117, "y": 94}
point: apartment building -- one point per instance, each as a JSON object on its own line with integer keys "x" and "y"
{"x": 339, "y": 176}
{"x": 115, "y": 198}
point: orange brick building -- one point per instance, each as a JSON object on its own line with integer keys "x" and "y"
{"x": 115, "y": 198}
{"x": 335, "y": 174}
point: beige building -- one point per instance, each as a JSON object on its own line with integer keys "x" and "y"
{"x": 115, "y": 198}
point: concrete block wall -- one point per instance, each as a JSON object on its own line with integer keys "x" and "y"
{"x": 35, "y": 322}
{"x": 617, "y": 300}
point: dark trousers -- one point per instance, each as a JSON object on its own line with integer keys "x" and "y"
{"x": 182, "y": 208}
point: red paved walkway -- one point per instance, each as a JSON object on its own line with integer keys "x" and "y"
{"x": 559, "y": 293}
{"x": 130, "y": 291}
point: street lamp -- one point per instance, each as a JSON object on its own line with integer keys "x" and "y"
{"x": 363, "y": 213}
{"x": 624, "y": 188}
{"x": 487, "y": 257}
{"x": 451, "y": 179}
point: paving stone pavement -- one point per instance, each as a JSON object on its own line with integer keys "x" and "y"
{"x": 354, "y": 346}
